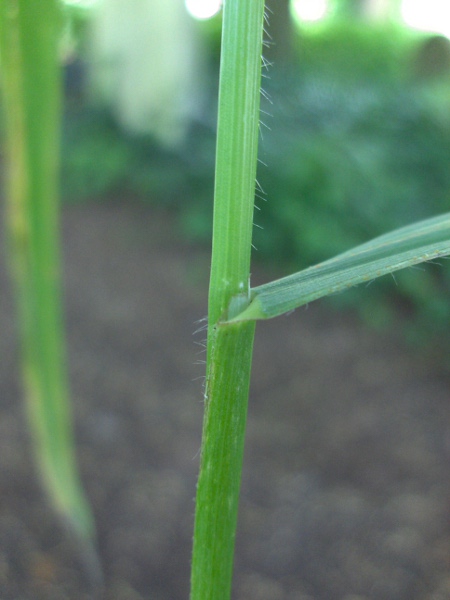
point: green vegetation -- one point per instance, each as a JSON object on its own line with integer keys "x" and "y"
{"x": 358, "y": 144}
{"x": 234, "y": 306}
{"x": 369, "y": 158}
{"x": 331, "y": 133}
{"x": 229, "y": 349}
{"x": 29, "y": 38}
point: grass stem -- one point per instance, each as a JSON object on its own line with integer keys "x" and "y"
{"x": 229, "y": 346}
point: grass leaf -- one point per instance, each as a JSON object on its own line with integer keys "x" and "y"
{"x": 405, "y": 247}
{"x": 30, "y": 34}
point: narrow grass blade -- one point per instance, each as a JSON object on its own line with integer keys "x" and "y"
{"x": 29, "y": 45}
{"x": 420, "y": 242}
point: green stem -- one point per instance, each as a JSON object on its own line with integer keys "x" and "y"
{"x": 29, "y": 44}
{"x": 229, "y": 346}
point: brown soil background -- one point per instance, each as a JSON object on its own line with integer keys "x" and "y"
{"x": 345, "y": 492}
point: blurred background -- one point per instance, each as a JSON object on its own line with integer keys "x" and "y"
{"x": 355, "y": 127}
{"x": 345, "y": 492}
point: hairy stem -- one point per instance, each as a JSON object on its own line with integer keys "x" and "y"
{"x": 229, "y": 346}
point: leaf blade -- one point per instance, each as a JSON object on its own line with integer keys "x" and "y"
{"x": 420, "y": 242}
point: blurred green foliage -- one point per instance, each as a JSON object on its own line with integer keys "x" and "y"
{"x": 356, "y": 143}
{"x": 100, "y": 161}
{"x": 360, "y": 145}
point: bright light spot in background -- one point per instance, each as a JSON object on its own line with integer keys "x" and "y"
{"x": 427, "y": 15}
{"x": 82, "y": 3}
{"x": 203, "y": 9}
{"x": 309, "y": 10}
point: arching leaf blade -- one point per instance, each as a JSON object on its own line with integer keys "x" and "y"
{"x": 420, "y": 242}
